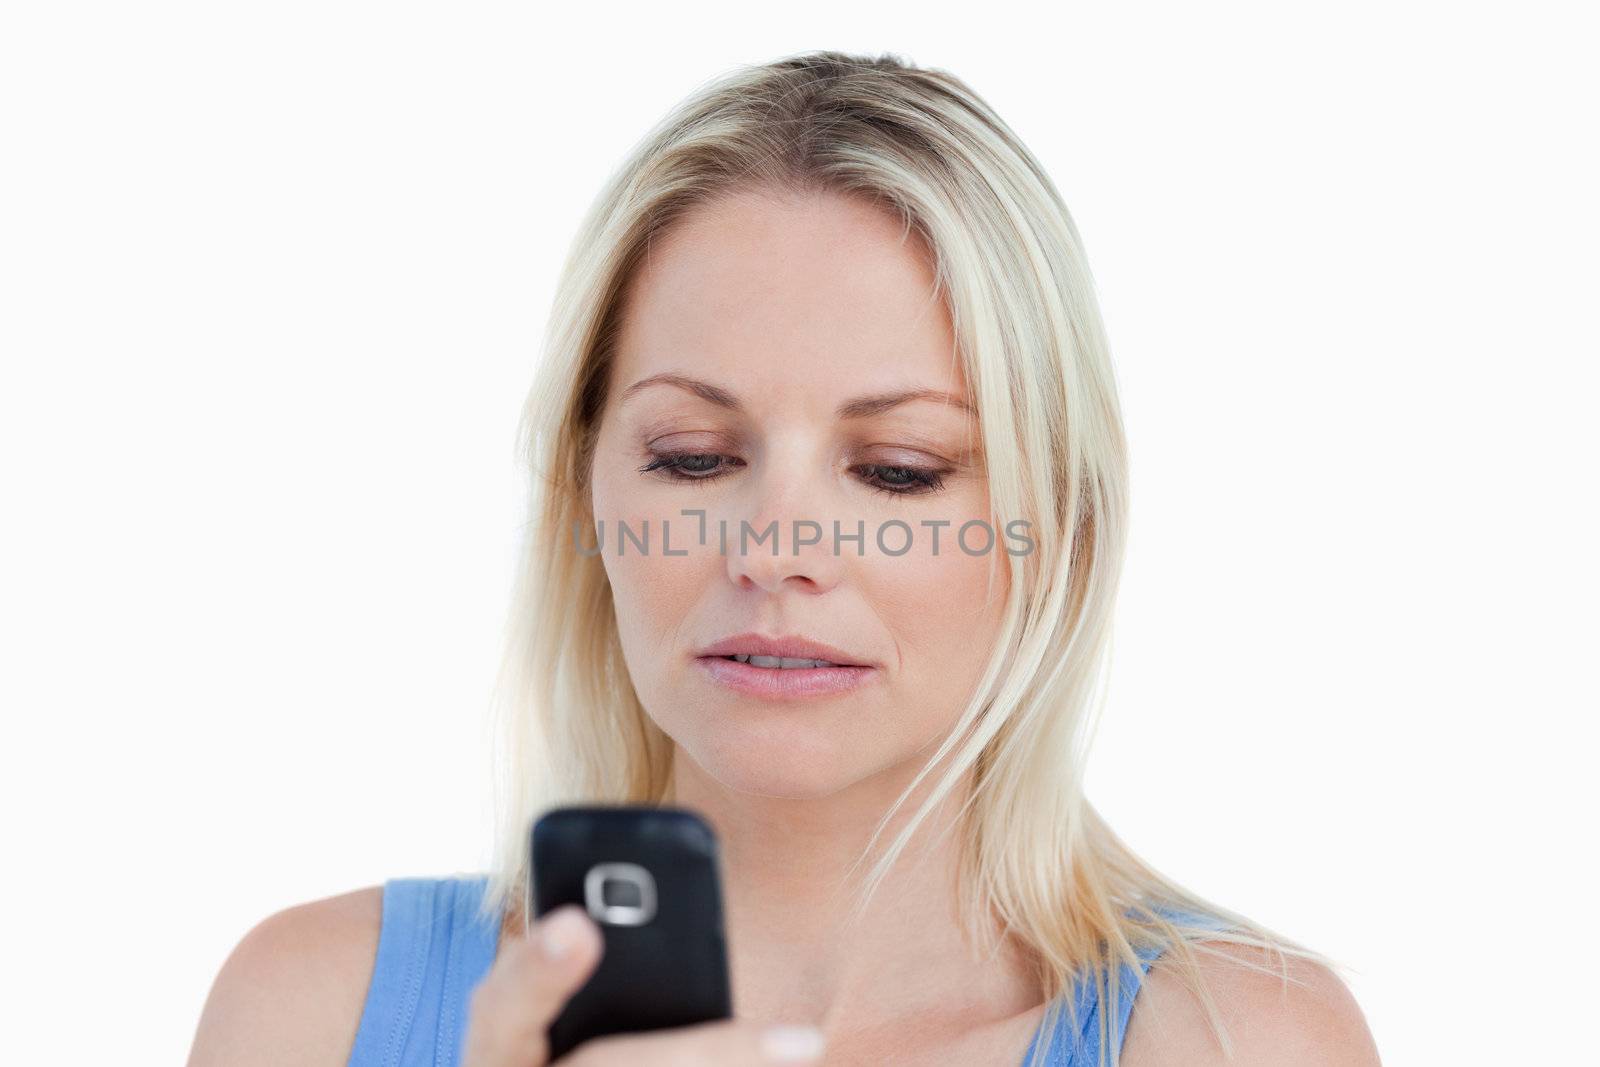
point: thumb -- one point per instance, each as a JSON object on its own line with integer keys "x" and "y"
{"x": 531, "y": 980}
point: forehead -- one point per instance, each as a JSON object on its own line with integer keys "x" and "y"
{"x": 815, "y": 289}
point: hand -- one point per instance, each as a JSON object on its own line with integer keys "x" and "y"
{"x": 533, "y": 978}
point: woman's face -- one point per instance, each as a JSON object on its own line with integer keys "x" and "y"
{"x": 776, "y": 316}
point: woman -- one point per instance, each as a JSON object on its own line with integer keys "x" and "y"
{"x": 831, "y": 306}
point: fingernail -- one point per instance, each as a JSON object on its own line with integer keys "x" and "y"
{"x": 559, "y": 933}
{"x": 791, "y": 1044}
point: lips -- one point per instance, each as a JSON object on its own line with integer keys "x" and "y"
{"x": 784, "y": 647}
{"x": 783, "y": 668}
{"x": 783, "y": 663}
{"x": 783, "y": 683}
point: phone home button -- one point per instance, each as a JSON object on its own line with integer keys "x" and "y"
{"x": 622, "y": 894}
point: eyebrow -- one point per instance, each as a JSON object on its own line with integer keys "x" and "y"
{"x": 860, "y": 408}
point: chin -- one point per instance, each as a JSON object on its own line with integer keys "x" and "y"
{"x": 770, "y": 768}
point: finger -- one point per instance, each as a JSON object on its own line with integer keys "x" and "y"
{"x": 728, "y": 1041}
{"x": 531, "y": 980}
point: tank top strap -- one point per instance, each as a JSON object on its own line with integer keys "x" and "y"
{"x": 433, "y": 949}
{"x": 1082, "y": 1049}
{"x": 1132, "y": 980}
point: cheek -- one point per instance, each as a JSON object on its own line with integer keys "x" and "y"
{"x": 653, "y": 594}
{"x": 941, "y": 611}
{"x": 654, "y": 599}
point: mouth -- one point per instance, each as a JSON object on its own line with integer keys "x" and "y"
{"x": 783, "y": 678}
{"x": 782, "y": 652}
{"x": 783, "y": 663}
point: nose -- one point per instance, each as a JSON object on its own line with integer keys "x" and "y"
{"x": 788, "y": 542}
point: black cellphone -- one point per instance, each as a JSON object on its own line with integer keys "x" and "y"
{"x": 649, "y": 877}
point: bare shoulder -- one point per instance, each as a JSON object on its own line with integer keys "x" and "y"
{"x": 1311, "y": 1020}
{"x": 293, "y": 988}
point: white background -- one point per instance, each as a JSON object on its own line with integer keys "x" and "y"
{"x": 272, "y": 278}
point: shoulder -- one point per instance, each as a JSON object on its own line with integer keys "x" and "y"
{"x": 293, "y": 988}
{"x": 1310, "y": 1020}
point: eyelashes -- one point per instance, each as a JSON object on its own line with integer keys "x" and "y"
{"x": 891, "y": 479}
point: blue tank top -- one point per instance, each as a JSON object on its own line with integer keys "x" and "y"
{"x": 433, "y": 949}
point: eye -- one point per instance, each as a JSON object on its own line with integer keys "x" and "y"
{"x": 688, "y": 466}
{"x": 902, "y": 481}
{"x": 707, "y": 466}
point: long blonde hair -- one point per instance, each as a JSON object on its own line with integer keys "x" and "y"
{"x": 1035, "y": 854}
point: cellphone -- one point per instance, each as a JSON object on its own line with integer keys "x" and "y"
{"x": 649, "y": 876}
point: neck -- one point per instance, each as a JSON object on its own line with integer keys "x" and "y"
{"x": 786, "y": 897}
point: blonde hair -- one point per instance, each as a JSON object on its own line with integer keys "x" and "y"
{"x": 1035, "y": 854}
